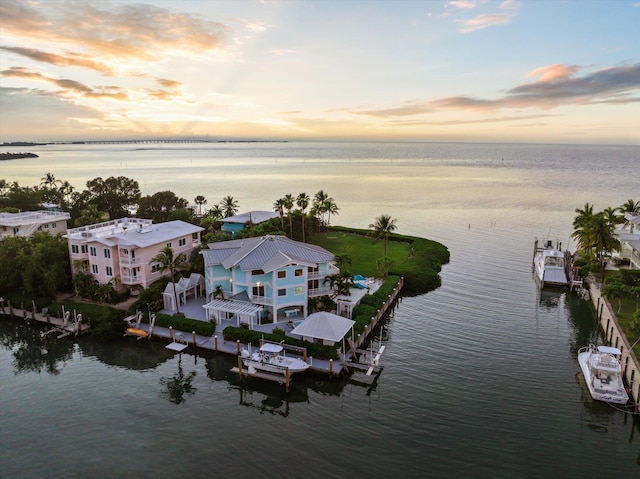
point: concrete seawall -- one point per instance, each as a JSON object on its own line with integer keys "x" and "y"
{"x": 615, "y": 337}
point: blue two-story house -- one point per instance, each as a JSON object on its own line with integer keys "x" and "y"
{"x": 266, "y": 279}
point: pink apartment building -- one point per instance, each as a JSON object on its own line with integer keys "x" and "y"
{"x": 121, "y": 251}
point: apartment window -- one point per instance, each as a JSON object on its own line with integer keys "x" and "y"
{"x": 107, "y": 253}
{"x": 109, "y": 271}
{"x": 94, "y": 268}
{"x": 169, "y": 244}
{"x": 182, "y": 242}
{"x": 155, "y": 268}
{"x": 46, "y": 226}
{"x": 298, "y": 290}
{"x": 282, "y": 292}
{"x": 282, "y": 274}
{"x": 75, "y": 249}
{"x": 84, "y": 248}
{"x": 298, "y": 272}
{"x": 93, "y": 251}
{"x": 258, "y": 290}
{"x": 54, "y": 225}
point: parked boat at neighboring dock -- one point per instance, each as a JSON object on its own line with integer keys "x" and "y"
{"x": 270, "y": 358}
{"x": 603, "y": 373}
{"x": 549, "y": 266}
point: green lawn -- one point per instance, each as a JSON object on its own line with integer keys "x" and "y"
{"x": 418, "y": 260}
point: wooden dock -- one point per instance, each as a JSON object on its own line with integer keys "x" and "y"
{"x": 65, "y": 326}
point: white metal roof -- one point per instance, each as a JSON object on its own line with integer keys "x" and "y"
{"x": 324, "y": 325}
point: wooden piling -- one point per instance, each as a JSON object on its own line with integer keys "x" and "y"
{"x": 215, "y": 343}
{"x": 171, "y": 333}
{"x": 195, "y": 342}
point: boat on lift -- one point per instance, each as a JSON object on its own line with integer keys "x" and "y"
{"x": 549, "y": 267}
{"x": 270, "y": 358}
{"x": 603, "y": 373}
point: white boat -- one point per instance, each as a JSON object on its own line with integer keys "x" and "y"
{"x": 549, "y": 267}
{"x": 270, "y": 358}
{"x": 603, "y": 373}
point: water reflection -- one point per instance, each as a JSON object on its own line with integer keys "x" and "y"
{"x": 33, "y": 349}
{"x": 179, "y": 385}
{"x": 127, "y": 353}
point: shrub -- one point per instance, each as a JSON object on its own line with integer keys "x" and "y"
{"x": 187, "y": 325}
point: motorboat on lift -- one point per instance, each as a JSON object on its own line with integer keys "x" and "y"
{"x": 271, "y": 358}
{"x": 549, "y": 267}
{"x": 603, "y": 373}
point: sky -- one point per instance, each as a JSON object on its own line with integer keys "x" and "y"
{"x": 541, "y": 71}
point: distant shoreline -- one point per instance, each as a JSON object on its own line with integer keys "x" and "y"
{"x": 16, "y": 156}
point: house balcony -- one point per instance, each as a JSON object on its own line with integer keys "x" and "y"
{"x": 128, "y": 261}
{"x": 131, "y": 280}
{"x": 315, "y": 292}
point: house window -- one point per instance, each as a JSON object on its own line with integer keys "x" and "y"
{"x": 84, "y": 248}
{"x": 282, "y": 274}
{"x": 46, "y": 226}
{"x": 75, "y": 249}
{"x": 282, "y": 292}
{"x": 313, "y": 269}
{"x": 194, "y": 236}
{"x": 298, "y": 290}
{"x": 258, "y": 290}
{"x": 109, "y": 271}
{"x": 298, "y": 272}
{"x": 169, "y": 244}
{"x": 125, "y": 251}
{"x": 107, "y": 253}
{"x": 16, "y": 231}
{"x": 182, "y": 242}
{"x": 256, "y": 272}
{"x": 93, "y": 251}
{"x": 94, "y": 268}
{"x": 54, "y": 225}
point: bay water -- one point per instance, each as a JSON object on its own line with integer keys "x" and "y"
{"x": 479, "y": 378}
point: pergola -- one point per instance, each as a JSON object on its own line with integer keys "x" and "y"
{"x": 244, "y": 312}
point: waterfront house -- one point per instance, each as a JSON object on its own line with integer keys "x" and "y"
{"x": 120, "y": 251}
{"x": 28, "y": 222}
{"x": 233, "y": 224}
{"x": 264, "y": 279}
{"x": 630, "y": 240}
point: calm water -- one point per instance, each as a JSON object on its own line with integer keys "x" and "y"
{"x": 480, "y": 377}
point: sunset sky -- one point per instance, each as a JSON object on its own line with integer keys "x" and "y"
{"x": 460, "y": 70}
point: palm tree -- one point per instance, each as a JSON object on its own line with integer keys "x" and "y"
{"x": 582, "y": 232}
{"x": 604, "y": 238}
{"x": 215, "y": 212}
{"x": 278, "y": 207}
{"x": 90, "y": 216}
{"x": 629, "y": 206}
{"x": 382, "y": 227}
{"x": 318, "y": 204}
{"x": 49, "y": 181}
{"x": 288, "y": 205}
{"x": 331, "y": 208}
{"x": 303, "y": 201}
{"x": 229, "y": 206}
{"x": 200, "y": 200}
{"x": 167, "y": 261}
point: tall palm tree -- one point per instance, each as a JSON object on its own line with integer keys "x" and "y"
{"x": 49, "y": 181}
{"x": 383, "y": 226}
{"x": 229, "y": 206}
{"x": 582, "y": 231}
{"x": 278, "y": 207}
{"x": 168, "y": 262}
{"x": 330, "y": 208}
{"x": 318, "y": 204}
{"x": 288, "y": 205}
{"x": 303, "y": 201}
{"x": 66, "y": 190}
{"x": 200, "y": 200}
